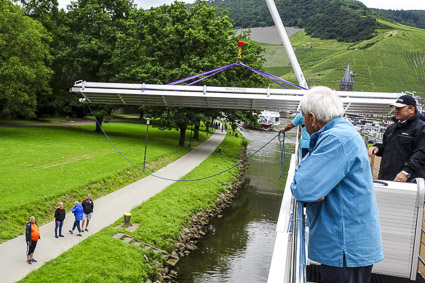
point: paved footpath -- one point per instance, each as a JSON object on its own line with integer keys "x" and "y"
{"x": 106, "y": 211}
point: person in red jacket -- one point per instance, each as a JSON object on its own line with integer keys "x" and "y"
{"x": 32, "y": 235}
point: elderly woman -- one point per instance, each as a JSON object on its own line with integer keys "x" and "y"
{"x": 78, "y": 213}
{"x": 335, "y": 182}
{"x": 32, "y": 235}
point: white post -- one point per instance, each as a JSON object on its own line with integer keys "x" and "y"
{"x": 286, "y": 43}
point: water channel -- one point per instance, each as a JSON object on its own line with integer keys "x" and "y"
{"x": 238, "y": 246}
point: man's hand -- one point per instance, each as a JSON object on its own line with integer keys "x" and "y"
{"x": 282, "y": 130}
{"x": 373, "y": 150}
{"x": 400, "y": 177}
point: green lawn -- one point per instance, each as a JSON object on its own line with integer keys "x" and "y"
{"x": 100, "y": 258}
{"x": 44, "y": 165}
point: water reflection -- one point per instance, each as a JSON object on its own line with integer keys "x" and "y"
{"x": 239, "y": 246}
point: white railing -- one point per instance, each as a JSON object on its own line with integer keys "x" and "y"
{"x": 288, "y": 261}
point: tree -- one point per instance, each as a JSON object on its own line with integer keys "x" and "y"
{"x": 24, "y": 62}
{"x": 86, "y": 40}
{"x": 235, "y": 116}
{"x": 172, "y": 42}
{"x": 45, "y": 11}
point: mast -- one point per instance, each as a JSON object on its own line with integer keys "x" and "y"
{"x": 286, "y": 43}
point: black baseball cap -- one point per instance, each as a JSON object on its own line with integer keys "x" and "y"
{"x": 404, "y": 100}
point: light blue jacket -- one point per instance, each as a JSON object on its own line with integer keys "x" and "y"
{"x": 305, "y": 138}
{"x": 346, "y": 221}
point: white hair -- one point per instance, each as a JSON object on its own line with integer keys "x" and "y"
{"x": 323, "y": 102}
{"x": 32, "y": 217}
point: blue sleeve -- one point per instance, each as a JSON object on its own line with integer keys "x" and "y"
{"x": 321, "y": 171}
{"x": 298, "y": 120}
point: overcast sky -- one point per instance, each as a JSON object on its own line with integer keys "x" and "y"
{"x": 382, "y": 4}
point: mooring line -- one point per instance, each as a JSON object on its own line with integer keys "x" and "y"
{"x": 281, "y": 144}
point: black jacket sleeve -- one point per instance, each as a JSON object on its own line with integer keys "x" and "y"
{"x": 417, "y": 159}
{"x": 381, "y": 146}
{"x": 28, "y": 232}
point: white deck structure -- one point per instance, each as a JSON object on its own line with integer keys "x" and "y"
{"x": 364, "y": 103}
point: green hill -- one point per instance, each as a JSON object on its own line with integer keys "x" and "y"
{"x": 344, "y": 20}
{"x": 392, "y": 61}
{"x": 414, "y": 18}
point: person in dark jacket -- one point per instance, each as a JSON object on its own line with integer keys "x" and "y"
{"x": 32, "y": 235}
{"x": 403, "y": 145}
{"x": 78, "y": 213}
{"x": 88, "y": 211}
{"x": 59, "y": 218}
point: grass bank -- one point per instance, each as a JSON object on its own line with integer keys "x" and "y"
{"x": 44, "y": 165}
{"x": 101, "y": 258}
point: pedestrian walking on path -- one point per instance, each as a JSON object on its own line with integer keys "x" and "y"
{"x": 32, "y": 235}
{"x": 88, "y": 211}
{"x": 110, "y": 207}
{"x": 78, "y": 213}
{"x": 59, "y": 218}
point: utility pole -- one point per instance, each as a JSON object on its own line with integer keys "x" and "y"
{"x": 146, "y": 142}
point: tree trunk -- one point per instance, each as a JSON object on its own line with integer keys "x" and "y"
{"x": 182, "y": 135}
{"x": 100, "y": 120}
{"x": 196, "y": 132}
{"x": 212, "y": 124}
{"x": 234, "y": 127}
{"x": 207, "y": 127}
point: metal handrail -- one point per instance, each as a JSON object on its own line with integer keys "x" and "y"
{"x": 298, "y": 256}
{"x": 289, "y": 247}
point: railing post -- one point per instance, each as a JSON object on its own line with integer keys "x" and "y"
{"x": 419, "y": 223}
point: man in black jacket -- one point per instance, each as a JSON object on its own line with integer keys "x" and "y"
{"x": 88, "y": 211}
{"x": 403, "y": 145}
{"x": 59, "y": 218}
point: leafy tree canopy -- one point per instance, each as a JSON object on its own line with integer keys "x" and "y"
{"x": 414, "y": 18}
{"x": 24, "y": 62}
{"x": 168, "y": 43}
{"x": 86, "y": 37}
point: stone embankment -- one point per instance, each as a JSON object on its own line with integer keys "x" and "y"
{"x": 198, "y": 227}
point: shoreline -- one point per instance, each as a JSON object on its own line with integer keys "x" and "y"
{"x": 197, "y": 227}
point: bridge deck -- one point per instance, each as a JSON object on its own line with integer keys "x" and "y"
{"x": 223, "y": 97}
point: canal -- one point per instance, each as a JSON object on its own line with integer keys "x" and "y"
{"x": 239, "y": 244}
